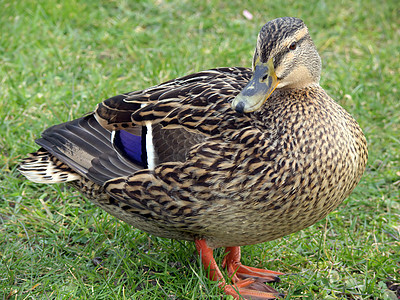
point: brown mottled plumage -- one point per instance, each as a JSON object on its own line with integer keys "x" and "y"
{"x": 283, "y": 158}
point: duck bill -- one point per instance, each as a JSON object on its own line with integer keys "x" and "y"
{"x": 257, "y": 91}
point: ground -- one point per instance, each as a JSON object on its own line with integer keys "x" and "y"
{"x": 59, "y": 60}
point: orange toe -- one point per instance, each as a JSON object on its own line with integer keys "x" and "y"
{"x": 251, "y": 294}
{"x": 236, "y": 270}
{"x": 258, "y": 274}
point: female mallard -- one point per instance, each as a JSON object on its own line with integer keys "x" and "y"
{"x": 225, "y": 157}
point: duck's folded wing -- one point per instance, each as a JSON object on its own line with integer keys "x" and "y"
{"x": 196, "y": 102}
{"x": 86, "y": 147}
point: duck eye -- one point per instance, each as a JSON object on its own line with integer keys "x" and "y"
{"x": 293, "y": 46}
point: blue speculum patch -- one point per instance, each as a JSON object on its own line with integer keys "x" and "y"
{"x": 131, "y": 145}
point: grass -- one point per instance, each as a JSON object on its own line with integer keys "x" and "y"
{"x": 58, "y": 59}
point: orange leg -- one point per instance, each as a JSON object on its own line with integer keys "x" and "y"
{"x": 236, "y": 270}
{"x": 249, "y": 288}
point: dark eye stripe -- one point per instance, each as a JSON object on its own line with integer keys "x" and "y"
{"x": 279, "y": 56}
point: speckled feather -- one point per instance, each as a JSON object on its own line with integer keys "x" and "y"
{"x": 239, "y": 178}
{"x": 284, "y": 172}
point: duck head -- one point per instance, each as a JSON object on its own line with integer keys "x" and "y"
{"x": 285, "y": 58}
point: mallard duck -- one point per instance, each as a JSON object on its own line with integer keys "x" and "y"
{"x": 225, "y": 157}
